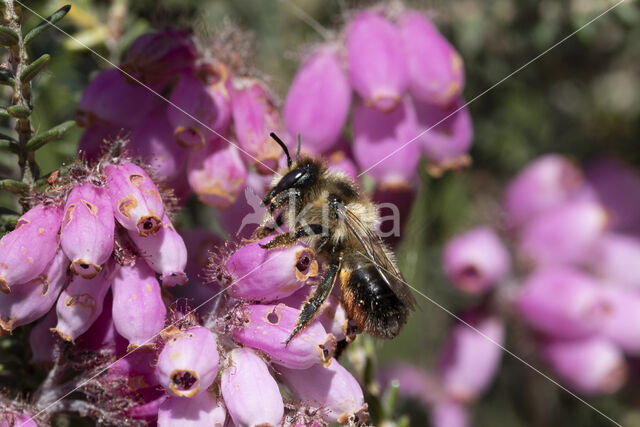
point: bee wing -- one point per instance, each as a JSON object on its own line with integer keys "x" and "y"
{"x": 374, "y": 249}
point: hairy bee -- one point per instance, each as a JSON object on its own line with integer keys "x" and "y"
{"x": 330, "y": 213}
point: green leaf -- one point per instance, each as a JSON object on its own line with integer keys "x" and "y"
{"x": 8, "y": 37}
{"x": 44, "y": 25}
{"x": 13, "y": 186}
{"x": 52, "y": 134}
{"x": 18, "y": 111}
{"x": 9, "y": 145}
{"x": 32, "y": 70}
{"x": 6, "y": 77}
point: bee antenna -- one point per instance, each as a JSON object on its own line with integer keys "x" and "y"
{"x": 284, "y": 147}
{"x": 299, "y": 145}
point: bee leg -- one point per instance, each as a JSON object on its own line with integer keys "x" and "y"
{"x": 313, "y": 304}
{"x": 268, "y": 229}
{"x": 288, "y": 239}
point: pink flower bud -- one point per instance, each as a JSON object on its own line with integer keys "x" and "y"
{"x": 102, "y": 101}
{"x": 254, "y": 117}
{"x": 445, "y": 133}
{"x": 332, "y": 389}
{"x": 267, "y": 328}
{"x": 135, "y": 199}
{"x": 154, "y": 58}
{"x": 469, "y": 360}
{"x": 138, "y": 310}
{"x": 377, "y": 63}
{"x": 153, "y": 142}
{"x": 613, "y": 258}
{"x": 26, "y": 251}
{"x": 250, "y": 393}
{"x": 449, "y": 413}
{"x": 377, "y": 135}
{"x": 42, "y": 340}
{"x": 475, "y": 261}
{"x": 165, "y": 252}
{"x": 188, "y": 363}
{"x": 281, "y": 273}
{"x": 81, "y": 303}
{"x": 318, "y": 100}
{"x": 210, "y": 105}
{"x": 202, "y": 409}
{"x": 590, "y": 366}
{"x": 30, "y": 301}
{"x": 435, "y": 69}
{"x": 621, "y": 324}
{"x": 87, "y": 229}
{"x": 567, "y": 234}
{"x": 562, "y": 301}
{"x": 217, "y": 174}
{"x": 544, "y": 184}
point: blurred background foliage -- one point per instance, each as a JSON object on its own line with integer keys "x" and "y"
{"x": 582, "y": 98}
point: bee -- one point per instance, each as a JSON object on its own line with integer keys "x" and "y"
{"x": 329, "y": 212}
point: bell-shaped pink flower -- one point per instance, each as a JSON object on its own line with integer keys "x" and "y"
{"x": 332, "y": 389}
{"x": 102, "y": 334}
{"x": 318, "y": 100}
{"x": 137, "y": 369}
{"x": 80, "y": 304}
{"x": 250, "y": 393}
{"x": 449, "y": 413}
{"x": 28, "y": 249}
{"x": 614, "y": 257}
{"x": 546, "y": 183}
{"x": 621, "y": 323}
{"x": 188, "y": 363}
{"x": 378, "y": 138}
{"x": 281, "y": 272}
{"x": 217, "y": 174}
{"x": 102, "y": 101}
{"x": 470, "y": 360}
{"x": 475, "y": 261}
{"x": 86, "y": 235}
{"x": 30, "y": 301}
{"x": 153, "y": 142}
{"x": 445, "y": 133}
{"x": 377, "y": 63}
{"x": 135, "y": 199}
{"x": 435, "y": 70}
{"x": 42, "y": 340}
{"x": 563, "y": 302}
{"x": 268, "y": 327}
{"x": 254, "y": 117}
{"x": 165, "y": 252}
{"x": 202, "y": 409}
{"x": 567, "y": 234}
{"x": 138, "y": 310}
{"x": 590, "y": 366}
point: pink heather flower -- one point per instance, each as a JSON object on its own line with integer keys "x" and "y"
{"x": 318, "y": 100}
{"x": 217, "y": 174}
{"x": 188, "y": 363}
{"x": 138, "y": 369}
{"x": 332, "y": 389}
{"x": 544, "y": 184}
{"x": 135, "y": 199}
{"x": 254, "y": 117}
{"x": 103, "y": 101}
{"x": 590, "y": 366}
{"x": 207, "y": 108}
{"x": 268, "y": 326}
{"x": 28, "y": 249}
{"x": 202, "y": 409}
{"x": 94, "y": 136}
{"x": 469, "y": 360}
{"x": 20, "y": 419}
{"x": 377, "y": 63}
{"x": 475, "y": 261}
{"x": 448, "y": 133}
{"x": 80, "y": 304}
{"x": 151, "y": 400}
{"x": 30, "y": 301}
{"x": 282, "y": 272}
{"x": 86, "y": 236}
{"x": 42, "y": 340}
{"x": 153, "y": 142}
{"x": 102, "y": 333}
{"x": 165, "y": 252}
{"x": 563, "y": 302}
{"x": 331, "y": 315}
{"x": 621, "y": 324}
{"x": 154, "y": 58}
{"x": 250, "y": 393}
{"x": 241, "y": 218}
{"x": 567, "y": 234}
{"x": 615, "y": 257}
{"x": 138, "y": 310}
{"x": 450, "y": 413}
{"x": 377, "y": 135}
{"x": 435, "y": 70}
